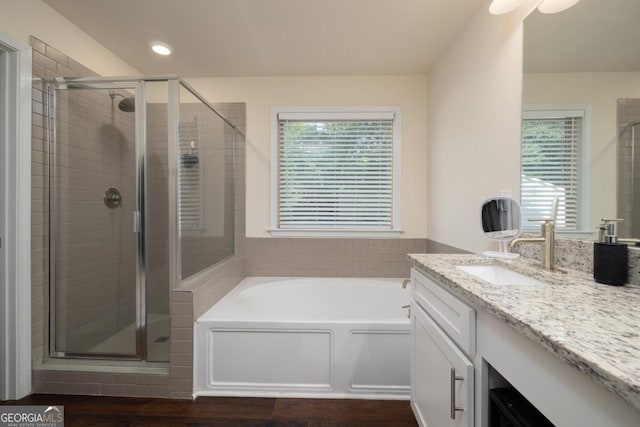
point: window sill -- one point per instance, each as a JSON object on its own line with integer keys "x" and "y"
{"x": 376, "y": 234}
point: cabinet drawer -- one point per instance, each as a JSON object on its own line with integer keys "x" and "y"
{"x": 456, "y": 318}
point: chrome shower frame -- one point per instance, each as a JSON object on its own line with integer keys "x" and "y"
{"x": 139, "y": 84}
{"x": 632, "y": 185}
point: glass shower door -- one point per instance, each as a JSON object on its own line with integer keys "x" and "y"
{"x": 95, "y": 183}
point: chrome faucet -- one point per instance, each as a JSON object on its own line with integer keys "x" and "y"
{"x": 547, "y": 241}
{"x": 405, "y": 282}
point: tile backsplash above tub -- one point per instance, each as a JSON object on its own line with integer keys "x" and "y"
{"x": 335, "y": 257}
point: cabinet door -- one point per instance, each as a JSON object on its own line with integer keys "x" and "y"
{"x": 433, "y": 356}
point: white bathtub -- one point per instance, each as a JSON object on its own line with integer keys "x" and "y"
{"x": 305, "y": 337}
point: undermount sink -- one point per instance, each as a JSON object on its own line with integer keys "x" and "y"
{"x": 497, "y": 275}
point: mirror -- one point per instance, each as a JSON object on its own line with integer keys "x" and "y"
{"x": 588, "y": 57}
{"x": 501, "y": 220}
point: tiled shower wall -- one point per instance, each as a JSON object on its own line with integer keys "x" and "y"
{"x": 628, "y": 167}
{"x": 95, "y": 248}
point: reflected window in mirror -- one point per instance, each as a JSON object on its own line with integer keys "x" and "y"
{"x": 590, "y": 55}
{"x": 555, "y": 159}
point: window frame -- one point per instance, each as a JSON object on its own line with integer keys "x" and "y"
{"x": 332, "y": 113}
{"x": 558, "y": 111}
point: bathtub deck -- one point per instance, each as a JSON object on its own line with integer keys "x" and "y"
{"x": 99, "y": 411}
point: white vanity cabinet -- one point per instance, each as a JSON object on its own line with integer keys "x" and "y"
{"x": 442, "y": 375}
{"x": 547, "y": 342}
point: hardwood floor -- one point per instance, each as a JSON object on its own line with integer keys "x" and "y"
{"x": 99, "y": 411}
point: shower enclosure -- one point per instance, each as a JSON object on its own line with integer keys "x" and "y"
{"x": 628, "y": 181}
{"x": 141, "y": 196}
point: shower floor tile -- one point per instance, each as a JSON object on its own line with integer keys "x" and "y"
{"x": 121, "y": 341}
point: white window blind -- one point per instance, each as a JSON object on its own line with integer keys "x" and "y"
{"x": 335, "y": 171}
{"x": 552, "y": 144}
{"x": 190, "y": 176}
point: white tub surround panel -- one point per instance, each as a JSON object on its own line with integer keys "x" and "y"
{"x": 305, "y": 337}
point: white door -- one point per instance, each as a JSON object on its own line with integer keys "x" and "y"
{"x": 3, "y": 196}
{"x": 442, "y": 376}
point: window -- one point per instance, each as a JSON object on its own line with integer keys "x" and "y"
{"x": 336, "y": 172}
{"x": 555, "y": 153}
{"x": 190, "y": 171}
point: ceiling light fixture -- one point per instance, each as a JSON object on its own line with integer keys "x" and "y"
{"x": 555, "y": 6}
{"x": 161, "y": 48}
{"x": 499, "y": 7}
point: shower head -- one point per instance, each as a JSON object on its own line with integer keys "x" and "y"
{"x": 126, "y": 104}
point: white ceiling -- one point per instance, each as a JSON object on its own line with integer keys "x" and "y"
{"x": 594, "y": 35}
{"x": 274, "y": 37}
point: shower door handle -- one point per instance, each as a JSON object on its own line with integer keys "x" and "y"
{"x": 136, "y": 222}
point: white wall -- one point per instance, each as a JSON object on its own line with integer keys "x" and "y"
{"x": 22, "y": 18}
{"x": 601, "y": 91}
{"x": 474, "y": 127}
{"x": 408, "y": 92}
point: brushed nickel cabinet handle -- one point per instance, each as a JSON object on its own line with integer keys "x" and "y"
{"x": 454, "y": 408}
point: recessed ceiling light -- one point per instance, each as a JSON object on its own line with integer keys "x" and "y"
{"x": 161, "y": 48}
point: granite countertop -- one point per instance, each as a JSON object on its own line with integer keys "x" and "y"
{"x": 593, "y": 327}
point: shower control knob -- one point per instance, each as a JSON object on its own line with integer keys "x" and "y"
{"x": 112, "y": 198}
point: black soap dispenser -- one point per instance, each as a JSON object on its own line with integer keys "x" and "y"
{"x": 610, "y": 258}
